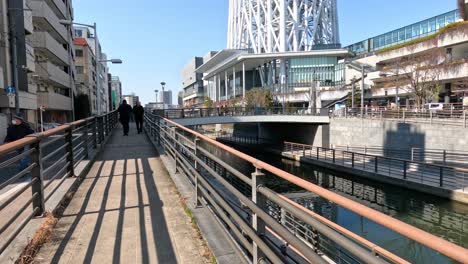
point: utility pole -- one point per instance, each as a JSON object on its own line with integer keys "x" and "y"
{"x": 353, "y": 93}
{"x": 98, "y": 58}
{"x": 15, "y": 67}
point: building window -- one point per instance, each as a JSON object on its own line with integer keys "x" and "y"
{"x": 78, "y": 33}
{"x": 79, "y": 69}
{"x": 79, "y": 53}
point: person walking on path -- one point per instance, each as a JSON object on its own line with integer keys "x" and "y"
{"x": 125, "y": 111}
{"x": 138, "y": 112}
{"x": 18, "y": 130}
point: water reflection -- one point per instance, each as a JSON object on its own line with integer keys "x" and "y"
{"x": 438, "y": 216}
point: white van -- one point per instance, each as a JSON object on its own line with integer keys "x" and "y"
{"x": 434, "y": 106}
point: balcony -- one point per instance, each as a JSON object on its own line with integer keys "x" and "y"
{"x": 45, "y": 43}
{"x": 53, "y": 101}
{"x": 59, "y": 7}
{"x": 30, "y": 60}
{"x": 28, "y": 21}
{"x": 53, "y": 74}
{"x": 45, "y": 19}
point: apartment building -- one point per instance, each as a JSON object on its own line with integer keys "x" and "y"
{"x": 116, "y": 91}
{"x": 194, "y": 87}
{"x": 131, "y": 99}
{"x": 102, "y": 96}
{"x": 85, "y": 63}
{"x": 19, "y": 24}
{"x": 54, "y": 57}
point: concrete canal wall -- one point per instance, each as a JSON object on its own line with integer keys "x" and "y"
{"x": 361, "y": 132}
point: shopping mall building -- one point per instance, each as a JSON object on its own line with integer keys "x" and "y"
{"x": 291, "y": 70}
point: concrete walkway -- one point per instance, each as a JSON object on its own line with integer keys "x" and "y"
{"x": 127, "y": 210}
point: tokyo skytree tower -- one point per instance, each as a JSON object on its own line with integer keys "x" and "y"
{"x": 268, "y": 26}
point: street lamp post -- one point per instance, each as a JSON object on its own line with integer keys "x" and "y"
{"x": 163, "y": 85}
{"x": 156, "y": 94}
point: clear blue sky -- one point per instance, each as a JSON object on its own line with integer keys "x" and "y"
{"x": 156, "y": 38}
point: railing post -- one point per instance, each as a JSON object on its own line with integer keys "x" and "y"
{"x": 441, "y": 176}
{"x": 69, "y": 148}
{"x": 85, "y": 138}
{"x": 159, "y": 131}
{"x": 405, "y": 166}
{"x": 318, "y": 154}
{"x": 430, "y": 117}
{"x": 464, "y": 118}
{"x": 198, "y": 193}
{"x": 100, "y": 129}
{"x": 105, "y": 126}
{"x": 174, "y": 133}
{"x": 258, "y": 179}
{"x": 352, "y": 159}
{"x": 445, "y": 156}
{"x": 95, "y": 139}
{"x": 36, "y": 176}
{"x": 376, "y": 160}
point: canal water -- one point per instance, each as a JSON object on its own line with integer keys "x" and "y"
{"x": 437, "y": 216}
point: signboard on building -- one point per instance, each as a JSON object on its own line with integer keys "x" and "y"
{"x": 10, "y": 90}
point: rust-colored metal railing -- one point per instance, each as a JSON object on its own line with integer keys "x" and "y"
{"x": 194, "y": 160}
{"x": 49, "y": 158}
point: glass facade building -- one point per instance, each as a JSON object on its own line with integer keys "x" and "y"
{"x": 405, "y": 34}
{"x": 326, "y": 69}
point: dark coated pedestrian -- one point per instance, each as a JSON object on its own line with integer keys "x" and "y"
{"x": 138, "y": 113}
{"x": 125, "y": 111}
{"x": 16, "y": 131}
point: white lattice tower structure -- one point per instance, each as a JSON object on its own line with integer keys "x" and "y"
{"x": 268, "y": 26}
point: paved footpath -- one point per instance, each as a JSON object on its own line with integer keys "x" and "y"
{"x": 127, "y": 210}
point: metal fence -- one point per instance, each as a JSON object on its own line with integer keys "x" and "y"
{"x": 238, "y": 111}
{"x": 441, "y": 156}
{"x": 453, "y": 117}
{"x": 42, "y": 163}
{"x": 267, "y": 225}
{"x": 434, "y": 175}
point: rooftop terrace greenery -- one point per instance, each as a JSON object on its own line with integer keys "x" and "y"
{"x": 441, "y": 31}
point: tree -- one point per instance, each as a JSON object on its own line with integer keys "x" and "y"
{"x": 208, "y": 103}
{"x": 82, "y": 106}
{"x": 417, "y": 73}
{"x": 258, "y": 97}
{"x": 462, "y": 10}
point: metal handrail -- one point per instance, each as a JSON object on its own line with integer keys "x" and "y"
{"x": 43, "y": 147}
{"x": 437, "y": 175}
{"x": 436, "y": 243}
{"x": 414, "y": 153}
{"x": 455, "y": 117}
{"x": 239, "y": 111}
{"x": 184, "y": 164}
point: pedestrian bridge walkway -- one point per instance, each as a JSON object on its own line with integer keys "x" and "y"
{"x": 234, "y": 115}
{"x": 126, "y": 210}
